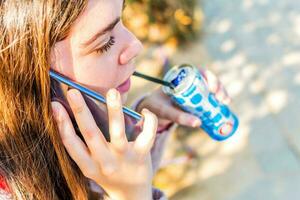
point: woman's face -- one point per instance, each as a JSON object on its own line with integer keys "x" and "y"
{"x": 99, "y": 50}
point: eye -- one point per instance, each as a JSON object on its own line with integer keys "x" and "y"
{"x": 107, "y": 45}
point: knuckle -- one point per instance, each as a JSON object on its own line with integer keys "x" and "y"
{"x": 121, "y": 146}
{"x": 108, "y": 169}
{"x": 178, "y": 118}
{"x": 175, "y": 114}
{"x": 58, "y": 112}
{"x": 66, "y": 141}
{"x": 122, "y": 149}
{"x": 77, "y": 108}
{"x": 90, "y": 132}
{"x": 60, "y": 118}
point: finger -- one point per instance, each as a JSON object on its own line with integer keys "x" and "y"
{"x": 187, "y": 119}
{"x": 73, "y": 144}
{"x": 177, "y": 115}
{"x": 215, "y": 86}
{"x": 116, "y": 120}
{"x": 145, "y": 139}
{"x": 222, "y": 95}
{"x": 163, "y": 122}
{"x": 211, "y": 79}
{"x": 227, "y": 100}
{"x": 88, "y": 127}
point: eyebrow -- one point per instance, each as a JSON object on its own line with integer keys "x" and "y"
{"x": 109, "y": 27}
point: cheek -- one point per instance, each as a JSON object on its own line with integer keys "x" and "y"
{"x": 98, "y": 74}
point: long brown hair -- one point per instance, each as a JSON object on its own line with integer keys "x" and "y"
{"x": 32, "y": 158}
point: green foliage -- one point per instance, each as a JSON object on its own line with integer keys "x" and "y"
{"x": 161, "y": 21}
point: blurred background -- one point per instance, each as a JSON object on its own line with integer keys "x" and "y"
{"x": 253, "y": 47}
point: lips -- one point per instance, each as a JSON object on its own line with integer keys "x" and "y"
{"x": 125, "y": 86}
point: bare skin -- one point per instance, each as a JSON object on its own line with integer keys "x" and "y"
{"x": 109, "y": 164}
{"x": 102, "y": 65}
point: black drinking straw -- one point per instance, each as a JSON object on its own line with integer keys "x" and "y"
{"x": 155, "y": 80}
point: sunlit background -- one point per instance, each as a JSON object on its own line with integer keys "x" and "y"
{"x": 253, "y": 47}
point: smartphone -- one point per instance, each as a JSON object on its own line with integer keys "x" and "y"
{"x": 97, "y": 105}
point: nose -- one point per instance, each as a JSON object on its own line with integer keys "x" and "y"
{"x": 131, "y": 50}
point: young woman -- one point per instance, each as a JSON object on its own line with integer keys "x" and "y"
{"x": 44, "y": 154}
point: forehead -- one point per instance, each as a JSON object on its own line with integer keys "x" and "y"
{"x": 96, "y": 16}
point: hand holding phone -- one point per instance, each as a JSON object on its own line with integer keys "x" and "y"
{"x": 109, "y": 163}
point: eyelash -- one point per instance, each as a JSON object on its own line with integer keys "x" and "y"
{"x": 107, "y": 45}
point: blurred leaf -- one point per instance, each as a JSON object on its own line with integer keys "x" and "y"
{"x": 159, "y": 21}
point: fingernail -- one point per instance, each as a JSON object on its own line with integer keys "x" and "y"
{"x": 196, "y": 123}
{"x": 112, "y": 94}
{"x": 145, "y": 110}
{"x": 189, "y": 120}
{"x": 113, "y": 98}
